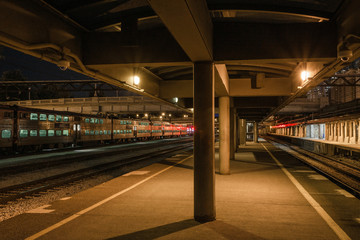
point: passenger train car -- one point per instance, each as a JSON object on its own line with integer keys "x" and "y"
{"x": 24, "y": 129}
{"x": 344, "y": 129}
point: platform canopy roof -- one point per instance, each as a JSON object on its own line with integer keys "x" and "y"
{"x": 259, "y": 48}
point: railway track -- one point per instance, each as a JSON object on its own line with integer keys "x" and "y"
{"x": 348, "y": 176}
{"x": 42, "y": 160}
{"x": 14, "y": 192}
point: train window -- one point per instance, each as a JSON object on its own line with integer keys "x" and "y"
{"x": 87, "y": 132}
{"x": 121, "y": 131}
{"x": 42, "y": 117}
{"x": 91, "y": 132}
{"x": 33, "y": 116}
{"x": 66, "y": 132}
{"x": 96, "y": 120}
{"x": 92, "y": 120}
{"x": 24, "y": 133}
{"x": 5, "y": 133}
{"x": 42, "y": 133}
{"x": 23, "y": 115}
{"x": 58, "y": 132}
{"x": 51, "y": 118}
{"x": 101, "y": 132}
{"x": 130, "y": 131}
{"x": 65, "y": 118}
{"x": 96, "y": 132}
{"x": 8, "y": 115}
{"x": 118, "y": 131}
{"x": 58, "y": 118}
{"x": 51, "y": 133}
{"x": 121, "y": 122}
{"x": 101, "y": 121}
{"x": 87, "y": 120}
{"x": 78, "y": 127}
{"x": 114, "y": 132}
{"x": 33, "y": 133}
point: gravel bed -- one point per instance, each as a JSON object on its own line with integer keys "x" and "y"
{"x": 25, "y": 204}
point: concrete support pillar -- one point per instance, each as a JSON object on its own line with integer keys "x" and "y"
{"x": 232, "y": 133}
{"x": 204, "y": 151}
{"x": 224, "y": 124}
{"x": 256, "y": 132}
{"x": 237, "y": 133}
{"x": 242, "y": 132}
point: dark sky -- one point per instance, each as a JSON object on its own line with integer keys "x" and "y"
{"x": 33, "y": 68}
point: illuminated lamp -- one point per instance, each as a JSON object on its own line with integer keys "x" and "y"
{"x": 136, "y": 80}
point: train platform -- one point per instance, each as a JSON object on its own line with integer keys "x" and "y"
{"x": 268, "y": 195}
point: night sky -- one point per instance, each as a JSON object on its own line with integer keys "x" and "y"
{"x": 33, "y": 68}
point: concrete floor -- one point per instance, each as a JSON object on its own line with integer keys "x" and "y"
{"x": 257, "y": 201}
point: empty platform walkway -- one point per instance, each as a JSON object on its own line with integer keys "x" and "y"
{"x": 267, "y": 196}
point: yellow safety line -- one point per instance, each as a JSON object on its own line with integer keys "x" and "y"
{"x": 332, "y": 224}
{"x": 78, "y": 214}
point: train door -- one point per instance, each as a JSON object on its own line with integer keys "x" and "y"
{"x": 76, "y": 130}
{"x": 135, "y": 131}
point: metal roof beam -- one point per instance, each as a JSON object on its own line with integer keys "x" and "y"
{"x": 190, "y": 23}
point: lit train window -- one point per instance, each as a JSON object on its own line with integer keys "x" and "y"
{"x": 58, "y": 118}
{"x": 121, "y": 131}
{"x": 42, "y": 133}
{"x": 24, "y": 133}
{"x": 101, "y": 121}
{"x": 118, "y": 131}
{"x": 101, "y": 132}
{"x": 42, "y": 117}
{"x": 92, "y": 120}
{"x": 33, "y": 116}
{"x": 66, "y": 119}
{"x": 58, "y": 132}
{"x": 92, "y": 132}
{"x": 87, "y": 132}
{"x": 66, "y": 132}
{"x": 114, "y": 132}
{"x": 74, "y": 127}
{"x": 51, "y": 133}
{"x": 51, "y": 118}
{"x": 121, "y": 122}
{"x": 87, "y": 120}
{"x": 33, "y": 133}
{"x": 6, "y": 133}
{"x": 96, "y": 132}
{"x": 96, "y": 120}
{"x": 78, "y": 127}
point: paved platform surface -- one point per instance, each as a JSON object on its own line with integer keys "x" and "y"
{"x": 267, "y": 196}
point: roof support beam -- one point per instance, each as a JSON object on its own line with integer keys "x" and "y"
{"x": 222, "y": 83}
{"x": 190, "y": 23}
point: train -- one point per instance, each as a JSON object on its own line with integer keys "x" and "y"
{"x": 26, "y": 129}
{"x": 345, "y": 129}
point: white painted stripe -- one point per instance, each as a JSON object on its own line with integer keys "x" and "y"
{"x": 136, "y": 173}
{"x": 65, "y": 198}
{"x": 304, "y": 171}
{"x": 317, "y": 177}
{"x": 41, "y": 210}
{"x": 332, "y": 224}
{"x": 78, "y": 214}
{"x": 345, "y": 193}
